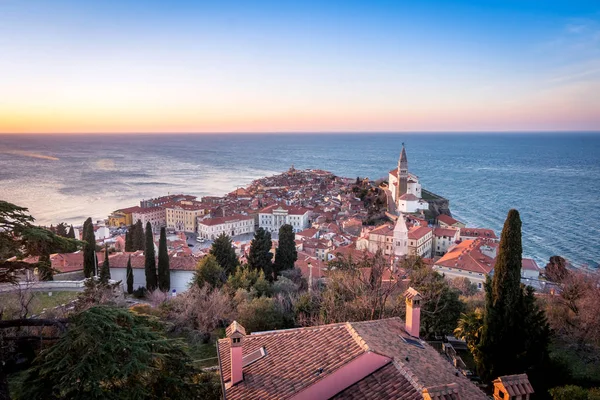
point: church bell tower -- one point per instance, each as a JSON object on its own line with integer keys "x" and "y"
{"x": 402, "y": 174}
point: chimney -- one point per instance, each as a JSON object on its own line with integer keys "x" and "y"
{"x": 512, "y": 387}
{"x": 235, "y": 333}
{"x": 413, "y": 312}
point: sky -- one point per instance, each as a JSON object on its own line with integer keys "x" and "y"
{"x": 302, "y": 66}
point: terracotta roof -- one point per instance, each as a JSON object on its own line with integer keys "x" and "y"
{"x": 467, "y": 256}
{"x": 223, "y": 220}
{"x": 129, "y": 210}
{"x": 148, "y": 210}
{"x": 294, "y": 358}
{"x": 446, "y": 219}
{"x": 477, "y": 232}
{"x": 409, "y": 197}
{"x": 445, "y": 232}
{"x": 386, "y": 230}
{"x": 176, "y": 261}
{"x": 417, "y": 232}
{"x": 309, "y": 232}
{"x": 385, "y": 383}
{"x": 529, "y": 264}
{"x": 299, "y": 358}
{"x": 514, "y": 385}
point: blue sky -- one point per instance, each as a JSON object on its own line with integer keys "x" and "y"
{"x": 125, "y": 66}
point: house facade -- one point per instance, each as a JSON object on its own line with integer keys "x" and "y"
{"x": 211, "y": 228}
{"x": 274, "y": 217}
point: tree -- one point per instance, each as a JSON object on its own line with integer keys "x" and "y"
{"x": 556, "y": 269}
{"x": 45, "y": 270}
{"x": 469, "y": 329}
{"x": 137, "y": 232}
{"x": 61, "y": 230}
{"x": 261, "y": 314}
{"x": 515, "y": 332}
{"x": 129, "y": 240}
{"x": 89, "y": 250}
{"x": 208, "y": 271}
{"x": 150, "y": 257}
{"x": 129, "y": 277}
{"x": 260, "y": 255}
{"x": 286, "y": 253}
{"x": 223, "y": 251}
{"x": 572, "y": 392}
{"x": 71, "y": 233}
{"x": 105, "y": 269}
{"x": 164, "y": 274}
{"x": 138, "y": 362}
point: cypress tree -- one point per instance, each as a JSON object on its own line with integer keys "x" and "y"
{"x": 151, "y": 279}
{"x": 223, "y": 251}
{"x": 89, "y": 249}
{"x": 71, "y": 234}
{"x": 129, "y": 277}
{"x": 164, "y": 277}
{"x": 259, "y": 257}
{"x": 286, "y": 253}
{"x": 105, "y": 270}
{"x": 515, "y": 331}
{"x": 138, "y": 236}
{"x": 128, "y": 240}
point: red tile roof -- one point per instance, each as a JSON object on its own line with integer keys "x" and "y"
{"x": 409, "y": 197}
{"x": 385, "y": 229}
{"x": 298, "y": 358}
{"x": 477, "y": 232}
{"x": 445, "y": 232}
{"x": 448, "y": 220}
{"x": 417, "y": 232}
{"x": 529, "y": 264}
{"x": 467, "y": 256}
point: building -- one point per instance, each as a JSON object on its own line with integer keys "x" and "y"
{"x": 420, "y": 241}
{"x": 473, "y": 259}
{"x": 183, "y": 216}
{"x": 381, "y": 359}
{"x": 164, "y": 200}
{"x": 181, "y": 269}
{"x": 443, "y": 238}
{"x": 271, "y": 218}
{"x": 211, "y": 228}
{"x": 529, "y": 269}
{"x": 155, "y": 215}
{"x": 400, "y": 237}
{"x": 122, "y": 217}
{"x": 446, "y": 221}
{"x": 405, "y": 187}
{"x": 477, "y": 233}
{"x": 381, "y": 238}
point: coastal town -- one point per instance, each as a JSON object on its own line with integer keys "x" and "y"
{"x": 336, "y": 315}
{"x": 330, "y": 216}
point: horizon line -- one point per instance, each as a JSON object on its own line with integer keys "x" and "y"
{"x": 316, "y": 132}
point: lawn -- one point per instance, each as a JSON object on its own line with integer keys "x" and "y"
{"x": 40, "y": 301}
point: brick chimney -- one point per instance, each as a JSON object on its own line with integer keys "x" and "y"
{"x": 413, "y": 312}
{"x": 512, "y": 387}
{"x": 235, "y": 333}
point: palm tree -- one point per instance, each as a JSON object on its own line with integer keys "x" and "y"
{"x": 470, "y": 327}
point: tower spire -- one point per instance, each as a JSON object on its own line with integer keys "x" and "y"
{"x": 402, "y": 174}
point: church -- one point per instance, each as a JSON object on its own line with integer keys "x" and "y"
{"x": 405, "y": 187}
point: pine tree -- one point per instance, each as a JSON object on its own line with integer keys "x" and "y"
{"x": 61, "y": 229}
{"x": 259, "y": 257}
{"x": 164, "y": 277}
{"x": 89, "y": 250}
{"x": 105, "y": 270}
{"x": 223, "y": 251}
{"x": 515, "y": 332}
{"x": 129, "y": 277}
{"x": 151, "y": 279}
{"x": 286, "y": 253}
{"x": 129, "y": 240}
{"x": 71, "y": 234}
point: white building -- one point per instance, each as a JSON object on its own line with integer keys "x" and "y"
{"x": 181, "y": 270}
{"x": 420, "y": 241}
{"x": 443, "y": 239}
{"x": 211, "y": 228}
{"x": 273, "y": 217}
{"x": 473, "y": 259}
{"x": 155, "y": 215}
{"x": 405, "y": 187}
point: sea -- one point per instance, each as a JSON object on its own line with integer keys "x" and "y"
{"x": 552, "y": 179}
